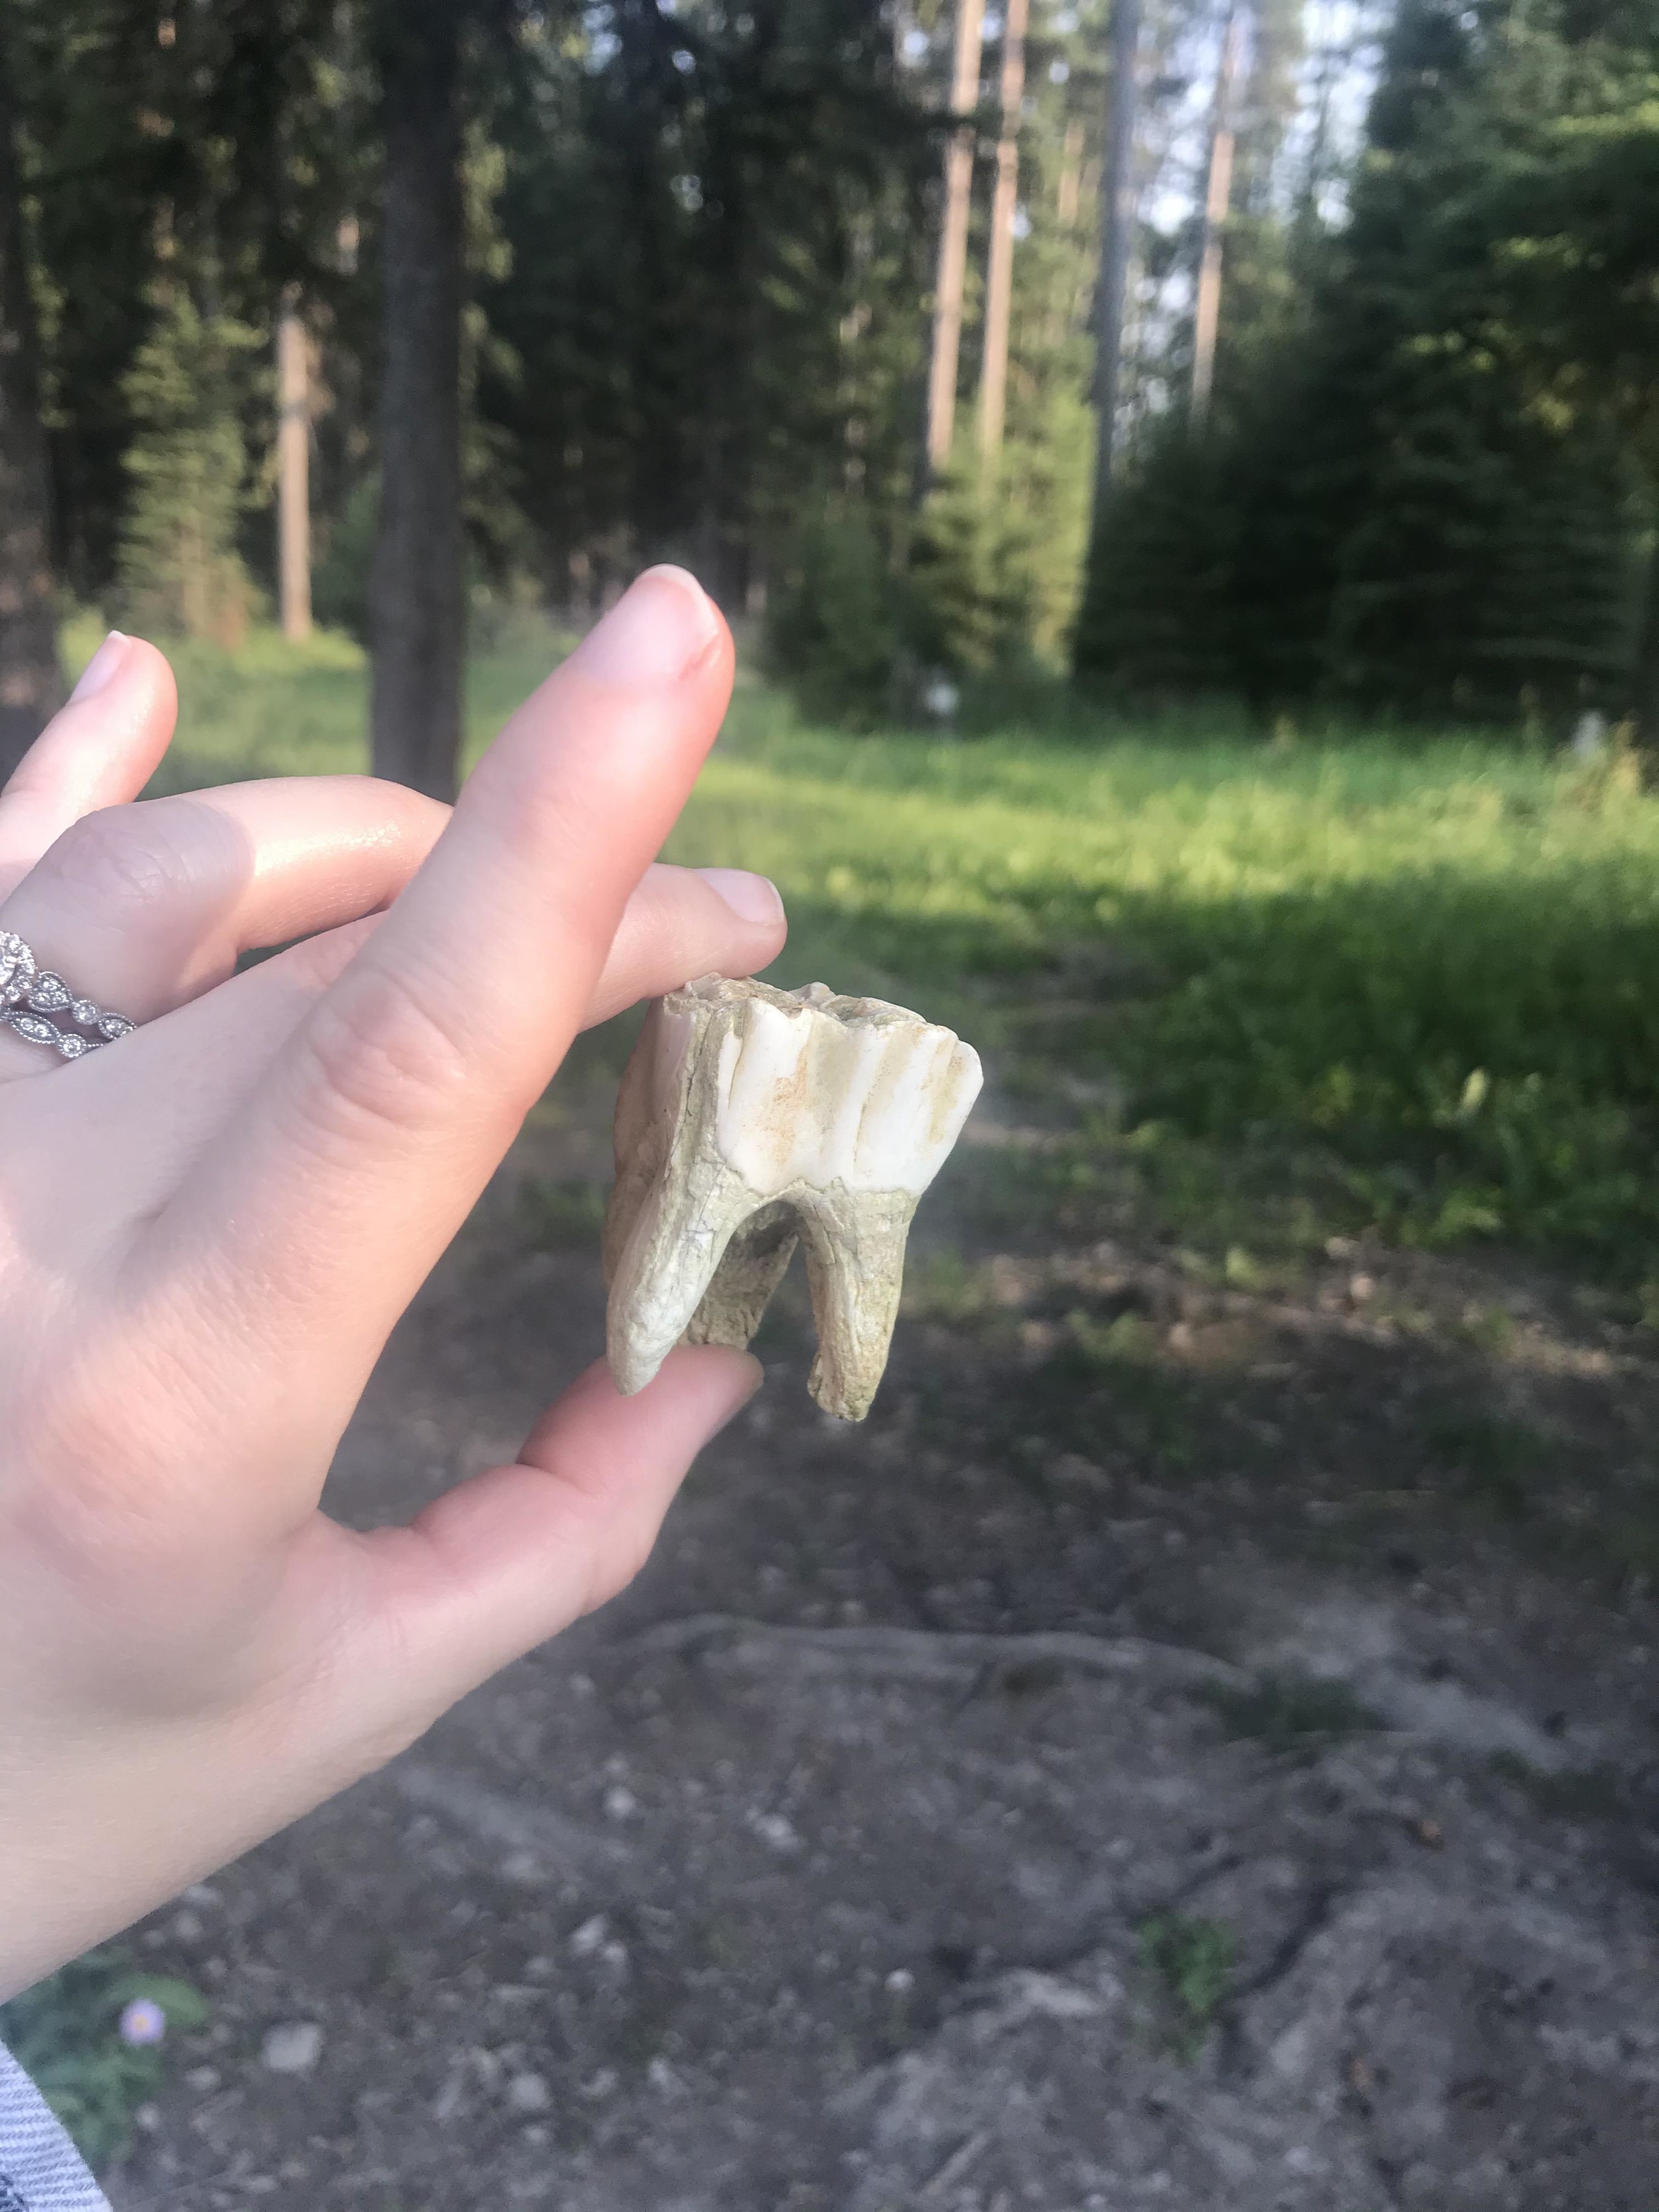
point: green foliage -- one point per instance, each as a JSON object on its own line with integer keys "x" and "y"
{"x": 65, "y": 2033}
{"x": 181, "y": 574}
{"x": 837, "y": 623}
{"x": 1347, "y": 983}
{"x": 1191, "y": 1959}
{"x": 1420, "y": 488}
{"x": 339, "y": 581}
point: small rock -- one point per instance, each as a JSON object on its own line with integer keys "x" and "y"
{"x": 619, "y": 1804}
{"x": 202, "y": 2079}
{"x": 147, "y": 2119}
{"x": 1429, "y": 1833}
{"x": 590, "y": 1936}
{"x": 521, "y": 1866}
{"x": 664, "y": 2080}
{"x": 773, "y": 1829}
{"x": 528, "y": 2093}
{"x": 1362, "y": 1288}
{"x": 293, "y": 2047}
{"x": 600, "y": 2085}
{"x": 187, "y": 1926}
{"x": 901, "y": 1982}
{"x": 201, "y": 1893}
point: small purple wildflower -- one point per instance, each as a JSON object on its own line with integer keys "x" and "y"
{"x": 143, "y": 2021}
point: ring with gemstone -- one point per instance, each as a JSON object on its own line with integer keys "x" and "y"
{"x": 30, "y": 995}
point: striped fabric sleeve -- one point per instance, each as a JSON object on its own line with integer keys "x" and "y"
{"x": 40, "y": 2168}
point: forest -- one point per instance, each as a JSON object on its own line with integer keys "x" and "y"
{"x": 828, "y": 299}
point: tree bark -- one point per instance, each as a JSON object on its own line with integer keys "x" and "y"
{"x": 418, "y": 591}
{"x": 1117, "y": 211}
{"x": 294, "y": 469}
{"x": 999, "y": 274}
{"x": 31, "y": 681}
{"x": 1644, "y": 685}
{"x": 1218, "y": 198}
{"x": 953, "y": 238}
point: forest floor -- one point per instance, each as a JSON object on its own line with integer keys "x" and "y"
{"x": 1175, "y": 1754}
{"x": 1195, "y": 1745}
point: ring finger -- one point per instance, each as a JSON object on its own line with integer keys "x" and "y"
{"x": 140, "y": 907}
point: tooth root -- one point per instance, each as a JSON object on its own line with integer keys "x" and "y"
{"x": 754, "y": 1263}
{"x": 855, "y": 1272}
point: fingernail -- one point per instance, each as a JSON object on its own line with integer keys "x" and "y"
{"x": 653, "y": 635}
{"x": 102, "y": 666}
{"x": 751, "y": 898}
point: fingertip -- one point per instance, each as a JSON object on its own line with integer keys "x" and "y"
{"x": 755, "y": 900}
{"x": 662, "y": 630}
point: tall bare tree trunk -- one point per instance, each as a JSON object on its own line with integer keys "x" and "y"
{"x": 999, "y": 274}
{"x": 1117, "y": 211}
{"x": 953, "y": 238}
{"x": 417, "y": 603}
{"x": 31, "y": 681}
{"x": 294, "y": 469}
{"x": 1217, "y": 197}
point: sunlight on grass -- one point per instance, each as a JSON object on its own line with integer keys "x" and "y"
{"x": 1426, "y": 968}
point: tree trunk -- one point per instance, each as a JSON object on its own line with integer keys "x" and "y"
{"x": 1206, "y": 314}
{"x": 1645, "y": 686}
{"x": 31, "y": 682}
{"x": 953, "y": 238}
{"x": 294, "y": 470}
{"x": 417, "y": 603}
{"x": 1117, "y": 211}
{"x": 999, "y": 275}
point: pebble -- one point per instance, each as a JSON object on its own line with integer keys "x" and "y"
{"x": 773, "y": 1829}
{"x": 589, "y": 1937}
{"x": 619, "y": 1804}
{"x": 202, "y": 2079}
{"x": 901, "y": 1981}
{"x": 292, "y": 2047}
{"x": 528, "y": 2093}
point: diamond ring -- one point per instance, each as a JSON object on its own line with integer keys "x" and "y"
{"x": 30, "y": 994}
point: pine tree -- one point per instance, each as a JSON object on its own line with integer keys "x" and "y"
{"x": 180, "y": 572}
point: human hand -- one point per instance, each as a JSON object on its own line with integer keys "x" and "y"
{"x": 208, "y": 1227}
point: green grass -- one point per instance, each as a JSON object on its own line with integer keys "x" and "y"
{"x": 1413, "y": 985}
{"x": 65, "y": 2033}
{"x": 1190, "y": 1960}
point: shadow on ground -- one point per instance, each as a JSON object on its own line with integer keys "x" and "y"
{"x": 1192, "y": 1748}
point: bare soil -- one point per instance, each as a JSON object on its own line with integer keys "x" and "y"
{"x": 1215, "y": 1773}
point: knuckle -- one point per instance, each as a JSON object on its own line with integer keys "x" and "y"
{"x": 384, "y": 1060}
{"x": 122, "y": 859}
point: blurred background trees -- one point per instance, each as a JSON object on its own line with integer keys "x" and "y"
{"x": 1371, "y": 287}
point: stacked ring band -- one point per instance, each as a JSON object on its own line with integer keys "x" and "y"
{"x": 31, "y": 995}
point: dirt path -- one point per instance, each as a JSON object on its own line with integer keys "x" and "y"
{"x": 1193, "y": 1749}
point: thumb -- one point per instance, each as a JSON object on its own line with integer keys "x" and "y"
{"x": 519, "y": 1552}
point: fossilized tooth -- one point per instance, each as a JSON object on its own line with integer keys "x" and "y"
{"x": 750, "y": 1118}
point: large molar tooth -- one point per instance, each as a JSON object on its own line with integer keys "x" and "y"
{"x": 749, "y": 1119}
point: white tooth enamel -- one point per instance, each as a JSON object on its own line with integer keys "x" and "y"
{"x": 749, "y": 1119}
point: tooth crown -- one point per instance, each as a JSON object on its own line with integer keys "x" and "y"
{"x": 749, "y": 1119}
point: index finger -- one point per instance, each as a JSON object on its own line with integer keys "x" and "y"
{"x": 394, "y": 1101}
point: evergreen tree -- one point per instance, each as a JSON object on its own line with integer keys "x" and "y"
{"x": 180, "y": 572}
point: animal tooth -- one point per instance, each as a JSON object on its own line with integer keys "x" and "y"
{"x": 750, "y": 1120}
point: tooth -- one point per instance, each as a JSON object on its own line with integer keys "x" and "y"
{"x": 750, "y": 1120}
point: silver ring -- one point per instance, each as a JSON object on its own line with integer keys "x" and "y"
{"x": 30, "y": 994}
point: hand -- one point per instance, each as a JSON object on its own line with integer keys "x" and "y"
{"x": 208, "y": 1227}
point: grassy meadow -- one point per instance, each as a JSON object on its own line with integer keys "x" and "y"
{"x": 1272, "y": 991}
